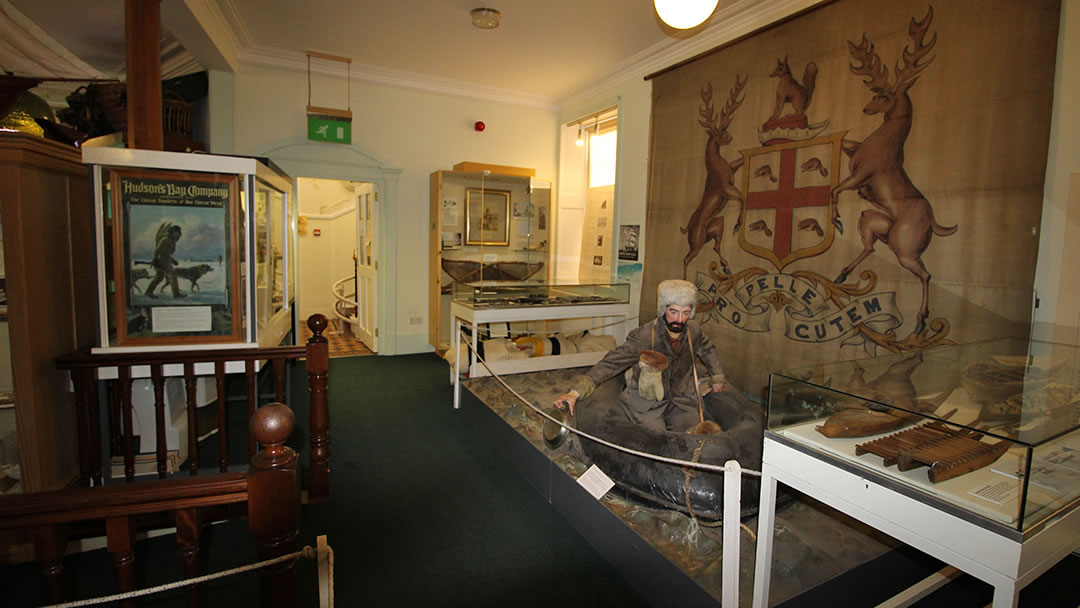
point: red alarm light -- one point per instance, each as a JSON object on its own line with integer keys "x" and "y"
{"x": 479, "y": 125}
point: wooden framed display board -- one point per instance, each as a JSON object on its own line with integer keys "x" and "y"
{"x": 152, "y": 212}
{"x": 193, "y": 250}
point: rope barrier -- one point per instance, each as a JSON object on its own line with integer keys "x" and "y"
{"x": 307, "y": 552}
{"x": 703, "y": 466}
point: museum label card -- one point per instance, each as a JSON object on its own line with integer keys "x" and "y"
{"x": 596, "y": 482}
{"x": 174, "y": 319}
{"x": 998, "y": 493}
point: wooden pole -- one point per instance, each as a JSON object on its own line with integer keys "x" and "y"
{"x": 142, "y": 31}
{"x": 274, "y": 502}
{"x": 318, "y": 369}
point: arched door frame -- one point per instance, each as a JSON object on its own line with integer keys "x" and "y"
{"x": 300, "y": 157}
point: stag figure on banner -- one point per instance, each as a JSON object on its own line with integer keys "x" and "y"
{"x": 705, "y": 222}
{"x": 902, "y": 218}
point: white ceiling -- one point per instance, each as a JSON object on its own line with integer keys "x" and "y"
{"x": 547, "y": 49}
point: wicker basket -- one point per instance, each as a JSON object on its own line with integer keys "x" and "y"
{"x": 111, "y": 98}
{"x": 176, "y": 116}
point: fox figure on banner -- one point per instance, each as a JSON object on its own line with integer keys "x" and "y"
{"x": 860, "y": 207}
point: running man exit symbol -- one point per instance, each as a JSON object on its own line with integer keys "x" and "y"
{"x": 329, "y": 129}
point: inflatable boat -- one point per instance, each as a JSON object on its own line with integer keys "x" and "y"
{"x": 696, "y": 492}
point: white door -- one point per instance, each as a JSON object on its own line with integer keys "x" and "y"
{"x": 366, "y": 268}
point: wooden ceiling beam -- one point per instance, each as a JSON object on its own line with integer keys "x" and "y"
{"x": 142, "y": 31}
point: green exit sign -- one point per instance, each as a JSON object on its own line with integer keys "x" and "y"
{"x": 329, "y": 129}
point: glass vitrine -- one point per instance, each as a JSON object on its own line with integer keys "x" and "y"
{"x": 486, "y": 225}
{"x": 988, "y": 429}
{"x": 191, "y": 248}
{"x": 491, "y": 294}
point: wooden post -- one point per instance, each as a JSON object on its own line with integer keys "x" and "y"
{"x": 49, "y": 544}
{"x": 120, "y": 532}
{"x": 86, "y": 425}
{"x": 274, "y": 502}
{"x": 142, "y": 31}
{"x": 158, "y": 379}
{"x": 318, "y": 365}
{"x": 127, "y": 414}
{"x": 187, "y": 536}
{"x": 190, "y": 387}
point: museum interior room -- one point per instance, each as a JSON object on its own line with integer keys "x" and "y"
{"x": 703, "y": 303}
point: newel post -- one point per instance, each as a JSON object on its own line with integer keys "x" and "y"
{"x": 318, "y": 364}
{"x": 274, "y": 502}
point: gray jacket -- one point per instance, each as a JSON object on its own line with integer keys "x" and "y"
{"x": 678, "y": 378}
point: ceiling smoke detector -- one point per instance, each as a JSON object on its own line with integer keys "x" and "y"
{"x": 485, "y": 18}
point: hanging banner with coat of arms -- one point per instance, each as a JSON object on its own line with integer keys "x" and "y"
{"x": 864, "y": 178}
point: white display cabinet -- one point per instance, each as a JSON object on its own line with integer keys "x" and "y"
{"x": 193, "y": 250}
{"x": 970, "y": 453}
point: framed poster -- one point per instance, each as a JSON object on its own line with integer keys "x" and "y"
{"x": 628, "y": 241}
{"x": 176, "y": 257}
{"x": 487, "y": 217}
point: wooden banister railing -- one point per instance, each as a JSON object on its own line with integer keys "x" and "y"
{"x": 269, "y": 488}
{"x": 86, "y": 369}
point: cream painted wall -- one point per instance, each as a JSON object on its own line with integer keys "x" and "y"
{"x": 315, "y": 276}
{"x": 1063, "y": 160}
{"x": 418, "y": 132}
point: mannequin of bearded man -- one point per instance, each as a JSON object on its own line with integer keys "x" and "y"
{"x": 672, "y": 335}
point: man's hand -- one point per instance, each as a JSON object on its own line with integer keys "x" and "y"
{"x": 567, "y": 400}
{"x": 718, "y": 387}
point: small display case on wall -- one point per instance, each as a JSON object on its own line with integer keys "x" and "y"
{"x": 488, "y": 223}
{"x": 192, "y": 249}
{"x": 987, "y": 430}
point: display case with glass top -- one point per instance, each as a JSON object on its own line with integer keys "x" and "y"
{"x": 477, "y": 304}
{"x": 274, "y": 212}
{"x": 490, "y": 294}
{"x": 191, "y": 249}
{"x": 987, "y": 430}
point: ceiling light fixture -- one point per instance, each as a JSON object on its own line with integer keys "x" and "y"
{"x": 485, "y": 18}
{"x": 684, "y": 14}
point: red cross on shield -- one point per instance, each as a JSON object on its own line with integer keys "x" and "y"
{"x": 788, "y": 212}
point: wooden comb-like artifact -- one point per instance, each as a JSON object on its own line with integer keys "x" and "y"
{"x": 948, "y": 452}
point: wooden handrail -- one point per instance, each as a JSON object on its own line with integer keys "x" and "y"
{"x": 269, "y": 488}
{"x": 84, "y": 504}
{"x": 83, "y": 367}
{"x": 84, "y": 359}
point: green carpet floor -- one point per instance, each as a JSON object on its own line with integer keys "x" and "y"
{"x": 423, "y": 512}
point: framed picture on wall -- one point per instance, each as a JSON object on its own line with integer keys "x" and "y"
{"x": 176, "y": 260}
{"x": 487, "y": 217}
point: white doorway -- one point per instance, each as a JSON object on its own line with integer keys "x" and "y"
{"x": 338, "y": 255}
{"x": 367, "y": 266}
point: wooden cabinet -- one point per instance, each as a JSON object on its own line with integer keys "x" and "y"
{"x": 487, "y": 223}
{"x": 48, "y": 254}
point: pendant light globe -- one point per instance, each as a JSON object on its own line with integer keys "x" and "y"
{"x": 684, "y": 14}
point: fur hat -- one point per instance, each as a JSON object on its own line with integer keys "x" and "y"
{"x": 677, "y": 292}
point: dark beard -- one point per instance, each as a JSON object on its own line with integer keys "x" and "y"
{"x": 674, "y": 327}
